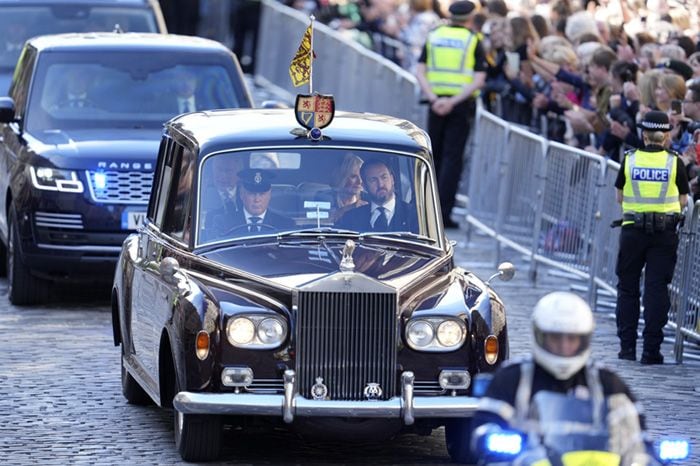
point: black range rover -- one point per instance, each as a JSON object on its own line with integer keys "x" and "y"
{"x": 80, "y": 134}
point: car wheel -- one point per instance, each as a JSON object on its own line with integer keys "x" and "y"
{"x": 22, "y": 287}
{"x": 197, "y": 436}
{"x": 131, "y": 389}
{"x": 3, "y": 260}
{"x": 458, "y": 434}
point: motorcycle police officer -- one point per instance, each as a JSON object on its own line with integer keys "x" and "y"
{"x": 450, "y": 71}
{"x": 652, "y": 186}
{"x": 562, "y": 328}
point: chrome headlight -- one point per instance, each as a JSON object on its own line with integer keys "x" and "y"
{"x": 435, "y": 333}
{"x": 256, "y": 331}
{"x": 53, "y": 179}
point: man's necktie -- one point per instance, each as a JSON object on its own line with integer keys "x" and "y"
{"x": 381, "y": 223}
{"x": 253, "y": 226}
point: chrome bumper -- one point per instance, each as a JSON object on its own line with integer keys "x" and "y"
{"x": 291, "y": 404}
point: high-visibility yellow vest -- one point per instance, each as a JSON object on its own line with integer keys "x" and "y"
{"x": 650, "y": 183}
{"x": 450, "y": 59}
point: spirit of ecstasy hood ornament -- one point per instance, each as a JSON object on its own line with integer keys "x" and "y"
{"x": 346, "y": 263}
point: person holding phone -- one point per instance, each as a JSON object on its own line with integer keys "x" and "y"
{"x": 451, "y": 71}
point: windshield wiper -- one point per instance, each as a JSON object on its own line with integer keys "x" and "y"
{"x": 315, "y": 232}
{"x": 400, "y": 235}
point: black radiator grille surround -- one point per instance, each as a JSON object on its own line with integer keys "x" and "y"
{"x": 348, "y": 339}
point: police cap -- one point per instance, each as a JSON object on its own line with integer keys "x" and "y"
{"x": 255, "y": 181}
{"x": 655, "y": 121}
{"x": 461, "y": 9}
{"x": 679, "y": 67}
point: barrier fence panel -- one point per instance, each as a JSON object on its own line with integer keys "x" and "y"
{"x": 521, "y": 190}
{"x": 607, "y": 239}
{"x": 485, "y": 167}
{"x": 570, "y": 202}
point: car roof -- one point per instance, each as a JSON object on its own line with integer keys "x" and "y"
{"x": 74, "y": 2}
{"x": 122, "y": 41}
{"x": 218, "y": 130}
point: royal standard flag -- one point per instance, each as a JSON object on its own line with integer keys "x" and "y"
{"x": 300, "y": 68}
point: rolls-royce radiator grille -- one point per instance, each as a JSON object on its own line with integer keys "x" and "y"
{"x": 348, "y": 340}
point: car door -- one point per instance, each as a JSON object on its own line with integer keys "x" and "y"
{"x": 11, "y": 139}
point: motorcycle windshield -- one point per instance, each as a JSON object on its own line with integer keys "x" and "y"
{"x": 567, "y": 424}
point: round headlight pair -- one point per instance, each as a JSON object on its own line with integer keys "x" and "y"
{"x": 435, "y": 334}
{"x": 256, "y": 331}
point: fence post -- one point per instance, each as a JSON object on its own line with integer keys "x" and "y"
{"x": 597, "y": 239}
{"x": 688, "y": 250}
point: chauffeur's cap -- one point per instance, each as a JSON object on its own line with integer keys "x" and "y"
{"x": 461, "y": 10}
{"x": 255, "y": 181}
{"x": 655, "y": 121}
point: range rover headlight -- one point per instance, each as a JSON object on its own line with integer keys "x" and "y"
{"x": 53, "y": 179}
{"x": 256, "y": 331}
{"x": 435, "y": 333}
{"x": 240, "y": 331}
{"x": 420, "y": 333}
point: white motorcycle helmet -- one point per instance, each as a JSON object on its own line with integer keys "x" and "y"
{"x": 562, "y": 325}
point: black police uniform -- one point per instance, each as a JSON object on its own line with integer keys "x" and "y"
{"x": 498, "y": 404}
{"x": 656, "y": 249}
{"x": 449, "y": 133}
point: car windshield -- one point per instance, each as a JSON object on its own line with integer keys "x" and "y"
{"x": 20, "y": 22}
{"x": 129, "y": 89}
{"x": 257, "y": 193}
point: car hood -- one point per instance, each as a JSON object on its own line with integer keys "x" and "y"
{"x": 294, "y": 266}
{"x": 104, "y": 148}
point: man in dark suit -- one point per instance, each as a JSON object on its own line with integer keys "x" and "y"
{"x": 254, "y": 187}
{"x": 384, "y": 212}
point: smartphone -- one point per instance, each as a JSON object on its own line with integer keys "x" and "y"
{"x": 676, "y": 107}
{"x": 513, "y": 60}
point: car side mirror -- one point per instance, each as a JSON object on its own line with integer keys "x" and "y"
{"x": 169, "y": 267}
{"x": 7, "y": 110}
{"x": 506, "y": 272}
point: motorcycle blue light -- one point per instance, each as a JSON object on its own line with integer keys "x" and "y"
{"x": 673, "y": 450}
{"x": 504, "y": 443}
{"x": 100, "y": 180}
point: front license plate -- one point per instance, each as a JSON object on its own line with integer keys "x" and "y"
{"x": 131, "y": 220}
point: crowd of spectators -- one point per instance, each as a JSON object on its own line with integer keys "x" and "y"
{"x": 579, "y": 72}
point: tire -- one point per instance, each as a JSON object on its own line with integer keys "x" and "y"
{"x": 3, "y": 260}
{"x": 458, "y": 434}
{"x": 197, "y": 436}
{"x": 131, "y": 389}
{"x": 22, "y": 287}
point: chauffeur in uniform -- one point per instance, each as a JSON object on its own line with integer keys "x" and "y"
{"x": 450, "y": 71}
{"x": 652, "y": 187}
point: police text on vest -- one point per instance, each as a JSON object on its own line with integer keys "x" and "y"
{"x": 649, "y": 174}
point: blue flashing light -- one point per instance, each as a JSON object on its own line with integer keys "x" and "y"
{"x": 504, "y": 443}
{"x": 673, "y": 450}
{"x": 100, "y": 180}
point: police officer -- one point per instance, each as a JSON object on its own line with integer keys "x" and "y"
{"x": 562, "y": 328}
{"x": 652, "y": 186}
{"x": 450, "y": 71}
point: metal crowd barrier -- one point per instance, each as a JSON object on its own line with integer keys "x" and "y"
{"x": 555, "y": 204}
{"x": 360, "y": 79}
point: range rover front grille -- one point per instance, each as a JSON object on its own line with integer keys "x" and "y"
{"x": 57, "y": 220}
{"x": 348, "y": 340}
{"x": 116, "y": 187}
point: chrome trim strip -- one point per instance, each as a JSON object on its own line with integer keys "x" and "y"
{"x": 290, "y": 405}
{"x": 65, "y": 226}
{"x": 407, "y": 379}
{"x": 85, "y": 248}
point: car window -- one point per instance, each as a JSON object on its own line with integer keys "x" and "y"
{"x": 139, "y": 89}
{"x": 19, "y": 23}
{"x": 299, "y": 190}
